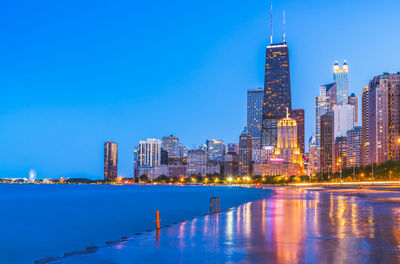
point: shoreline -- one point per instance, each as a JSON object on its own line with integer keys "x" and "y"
{"x": 274, "y": 230}
{"x": 123, "y": 239}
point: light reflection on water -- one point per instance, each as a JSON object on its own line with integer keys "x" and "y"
{"x": 309, "y": 226}
{"x": 293, "y": 226}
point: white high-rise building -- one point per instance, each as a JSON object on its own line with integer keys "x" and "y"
{"x": 149, "y": 153}
{"x": 343, "y": 119}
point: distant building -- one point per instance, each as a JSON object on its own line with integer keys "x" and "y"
{"x": 365, "y": 147}
{"x": 213, "y": 169}
{"x": 287, "y": 148}
{"x": 233, "y": 147}
{"x": 153, "y": 172}
{"x": 182, "y": 152}
{"x": 263, "y": 155}
{"x": 149, "y": 153}
{"x": 277, "y": 168}
{"x": 110, "y": 160}
{"x": 277, "y": 94}
{"x": 231, "y": 164}
{"x": 203, "y": 147}
{"x": 255, "y": 99}
{"x": 343, "y": 119}
{"x": 298, "y": 115}
{"x": 322, "y": 106}
{"x": 326, "y": 143}
{"x": 177, "y": 171}
{"x": 340, "y": 76}
{"x": 313, "y": 157}
{"x": 164, "y": 157}
{"x": 197, "y": 161}
{"x": 354, "y": 143}
{"x": 384, "y": 116}
{"x": 171, "y": 145}
{"x": 339, "y": 160}
{"x": 353, "y": 100}
{"x": 245, "y": 153}
{"x": 215, "y": 149}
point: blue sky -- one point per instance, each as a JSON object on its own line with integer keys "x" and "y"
{"x": 74, "y": 74}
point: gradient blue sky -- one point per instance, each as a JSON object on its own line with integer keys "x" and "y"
{"x": 74, "y": 74}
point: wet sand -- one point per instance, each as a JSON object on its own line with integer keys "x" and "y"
{"x": 296, "y": 225}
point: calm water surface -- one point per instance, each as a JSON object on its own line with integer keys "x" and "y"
{"x": 293, "y": 226}
{"x": 39, "y": 221}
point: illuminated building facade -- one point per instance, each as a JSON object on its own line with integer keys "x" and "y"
{"x": 298, "y": 115}
{"x": 171, "y": 145}
{"x": 277, "y": 168}
{"x": 313, "y": 156}
{"x": 245, "y": 153}
{"x": 323, "y": 104}
{"x": 233, "y": 147}
{"x": 110, "y": 160}
{"x": 231, "y": 164}
{"x": 353, "y": 100}
{"x": 255, "y": 99}
{"x": 343, "y": 119}
{"x": 176, "y": 171}
{"x": 326, "y": 143}
{"x": 277, "y": 94}
{"x": 197, "y": 161}
{"x": 339, "y": 160}
{"x": 354, "y": 143}
{"x": 365, "y": 155}
{"x": 215, "y": 149}
{"x": 384, "y": 123}
{"x": 340, "y": 76}
{"x": 149, "y": 153}
{"x": 263, "y": 155}
{"x": 287, "y": 148}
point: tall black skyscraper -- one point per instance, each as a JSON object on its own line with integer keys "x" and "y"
{"x": 110, "y": 160}
{"x": 276, "y": 90}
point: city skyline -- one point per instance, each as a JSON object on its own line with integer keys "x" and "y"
{"x": 75, "y": 114}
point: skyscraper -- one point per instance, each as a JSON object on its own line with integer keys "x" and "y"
{"x": 365, "y": 155}
{"x": 340, "y": 76}
{"x": 313, "y": 156}
{"x": 171, "y": 145}
{"x": 339, "y": 159}
{"x": 197, "y": 161}
{"x": 277, "y": 95}
{"x": 298, "y": 115}
{"x": 384, "y": 117}
{"x": 254, "y": 115}
{"x": 343, "y": 116}
{"x": 354, "y": 143}
{"x": 326, "y": 143}
{"x": 245, "y": 153}
{"x": 149, "y": 153}
{"x": 353, "y": 100}
{"x": 110, "y": 160}
{"x": 322, "y": 106}
{"x": 287, "y": 148}
{"x": 215, "y": 149}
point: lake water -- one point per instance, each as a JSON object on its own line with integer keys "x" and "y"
{"x": 39, "y": 221}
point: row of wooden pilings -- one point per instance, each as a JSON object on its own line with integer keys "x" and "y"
{"x": 214, "y": 208}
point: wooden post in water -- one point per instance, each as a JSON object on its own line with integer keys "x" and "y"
{"x": 214, "y": 205}
{"x": 158, "y": 219}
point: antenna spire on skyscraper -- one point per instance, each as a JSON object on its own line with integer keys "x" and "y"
{"x": 284, "y": 24}
{"x": 271, "y": 23}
